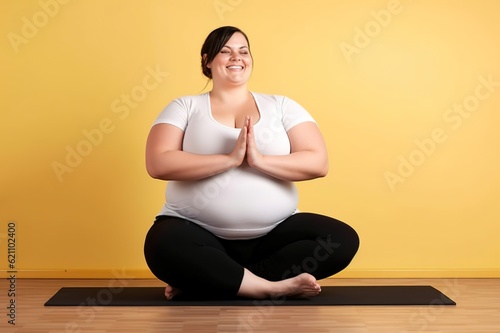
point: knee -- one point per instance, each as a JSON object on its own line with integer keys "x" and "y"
{"x": 342, "y": 245}
{"x": 350, "y": 241}
{"x": 354, "y": 240}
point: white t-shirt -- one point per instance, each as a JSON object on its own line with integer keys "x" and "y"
{"x": 241, "y": 203}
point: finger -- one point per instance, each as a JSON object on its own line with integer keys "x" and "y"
{"x": 250, "y": 125}
{"x": 244, "y": 134}
{"x": 244, "y": 127}
{"x": 250, "y": 138}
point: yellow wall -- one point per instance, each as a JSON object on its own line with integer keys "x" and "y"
{"x": 399, "y": 88}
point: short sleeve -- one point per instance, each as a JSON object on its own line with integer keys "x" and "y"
{"x": 293, "y": 113}
{"x": 175, "y": 113}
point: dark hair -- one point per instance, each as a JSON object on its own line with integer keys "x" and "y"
{"x": 214, "y": 42}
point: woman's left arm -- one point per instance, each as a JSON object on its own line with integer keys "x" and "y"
{"x": 308, "y": 158}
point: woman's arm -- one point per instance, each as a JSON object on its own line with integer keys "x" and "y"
{"x": 165, "y": 159}
{"x": 308, "y": 158}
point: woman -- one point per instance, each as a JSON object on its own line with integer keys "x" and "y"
{"x": 230, "y": 225}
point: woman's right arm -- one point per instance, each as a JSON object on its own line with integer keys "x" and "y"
{"x": 165, "y": 159}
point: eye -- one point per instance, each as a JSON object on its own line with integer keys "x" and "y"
{"x": 224, "y": 51}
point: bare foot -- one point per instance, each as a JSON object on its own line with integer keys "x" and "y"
{"x": 171, "y": 292}
{"x": 300, "y": 286}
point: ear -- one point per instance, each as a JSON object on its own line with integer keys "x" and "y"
{"x": 205, "y": 60}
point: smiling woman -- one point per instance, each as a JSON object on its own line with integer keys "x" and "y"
{"x": 229, "y": 41}
{"x": 230, "y": 225}
{"x": 229, "y": 68}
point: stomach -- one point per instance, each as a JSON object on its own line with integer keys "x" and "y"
{"x": 240, "y": 203}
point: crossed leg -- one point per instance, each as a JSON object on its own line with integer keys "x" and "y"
{"x": 199, "y": 263}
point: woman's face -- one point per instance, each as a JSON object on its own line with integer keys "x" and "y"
{"x": 233, "y": 64}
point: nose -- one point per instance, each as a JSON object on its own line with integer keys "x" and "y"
{"x": 235, "y": 57}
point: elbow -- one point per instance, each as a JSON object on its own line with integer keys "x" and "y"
{"x": 318, "y": 172}
{"x": 323, "y": 170}
{"x": 155, "y": 175}
{"x": 312, "y": 174}
{"x": 154, "y": 172}
{"x": 322, "y": 165}
{"x": 323, "y": 173}
{"x": 316, "y": 169}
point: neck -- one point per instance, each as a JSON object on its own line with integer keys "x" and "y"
{"x": 229, "y": 93}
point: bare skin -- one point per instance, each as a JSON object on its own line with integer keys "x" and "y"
{"x": 252, "y": 286}
{"x": 171, "y": 292}
{"x": 300, "y": 286}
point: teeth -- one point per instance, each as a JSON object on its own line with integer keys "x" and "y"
{"x": 235, "y": 67}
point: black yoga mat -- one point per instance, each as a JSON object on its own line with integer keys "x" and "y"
{"x": 336, "y": 295}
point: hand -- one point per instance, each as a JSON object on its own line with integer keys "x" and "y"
{"x": 254, "y": 157}
{"x": 240, "y": 148}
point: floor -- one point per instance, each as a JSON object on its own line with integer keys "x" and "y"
{"x": 477, "y": 311}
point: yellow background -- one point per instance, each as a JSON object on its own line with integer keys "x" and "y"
{"x": 378, "y": 76}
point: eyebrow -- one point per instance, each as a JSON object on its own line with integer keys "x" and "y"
{"x": 241, "y": 47}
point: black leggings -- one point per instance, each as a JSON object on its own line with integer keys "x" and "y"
{"x": 188, "y": 257}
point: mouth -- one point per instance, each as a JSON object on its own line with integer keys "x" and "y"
{"x": 235, "y": 67}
